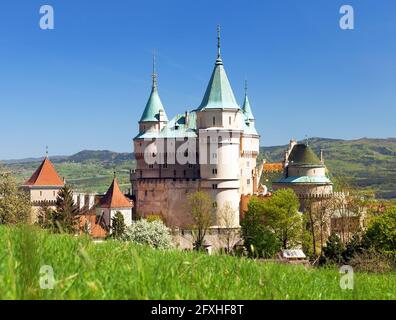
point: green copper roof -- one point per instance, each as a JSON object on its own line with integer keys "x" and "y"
{"x": 177, "y": 127}
{"x": 153, "y": 107}
{"x": 246, "y": 109}
{"x": 219, "y": 94}
{"x": 302, "y": 154}
{"x": 305, "y": 179}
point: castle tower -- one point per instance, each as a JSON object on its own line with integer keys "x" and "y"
{"x": 43, "y": 186}
{"x": 114, "y": 201}
{"x": 305, "y": 173}
{"x": 219, "y": 125}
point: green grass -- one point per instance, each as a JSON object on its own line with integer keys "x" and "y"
{"x": 114, "y": 270}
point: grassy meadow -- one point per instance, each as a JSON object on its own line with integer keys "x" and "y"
{"x": 114, "y": 270}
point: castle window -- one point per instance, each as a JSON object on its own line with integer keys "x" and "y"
{"x": 41, "y": 193}
{"x": 54, "y": 193}
{"x": 141, "y": 173}
{"x": 184, "y": 172}
{"x": 174, "y": 172}
{"x": 214, "y": 186}
{"x": 214, "y": 155}
{"x": 229, "y": 120}
{"x": 190, "y": 165}
{"x": 151, "y": 166}
{"x": 214, "y": 204}
{"x": 145, "y": 193}
{"x": 214, "y": 121}
{"x": 248, "y": 181}
{"x": 214, "y": 171}
{"x": 165, "y": 166}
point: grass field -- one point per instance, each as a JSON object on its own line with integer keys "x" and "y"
{"x": 113, "y": 270}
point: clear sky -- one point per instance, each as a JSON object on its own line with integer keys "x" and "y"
{"x": 84, "y": 84}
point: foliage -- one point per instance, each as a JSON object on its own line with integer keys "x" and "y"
{"x": 332, "y": 252}
{"x": 115, "y": 270}
{"x": 200, "y": 205}
{"x": 381, "y": 233}
{"x": 154, "y": 234}
{"x": 154, "y": 217}
{"x": 228, "y": 221}
{"x": 65, "y": 217}
{"x": 118, "y": 227}
{"x": 372, "y": 261}
{"x": 259, "y": 240}
{"x": 15, "y": 205}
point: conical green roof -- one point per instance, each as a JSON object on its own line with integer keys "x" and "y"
{"x": 246, "y": 109}
{"x": 219, "y": 94}
{"x": 153, "y": 107}
{"x": 302, "y": 154}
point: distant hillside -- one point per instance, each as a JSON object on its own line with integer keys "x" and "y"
{"x": 370, "y": 163}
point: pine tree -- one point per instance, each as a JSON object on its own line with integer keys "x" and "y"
{"x": 65, "y": 218}
{"x": 333, "y": 250}
{"x": 118, "y": 226}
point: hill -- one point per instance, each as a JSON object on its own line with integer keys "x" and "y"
{"x": 369, "y": 163}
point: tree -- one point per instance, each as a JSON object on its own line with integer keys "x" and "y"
{"x": 44, "y": 216}
{"x": 282, "y": 216}
{"x": 333, "y": 251}
{"x": 201, "y": 209}
{"x": 228, "y": 222}
{"x": 154, "y": 234}
{"x": 381, "y": 233}
{"x": 259, "y": 240}
{"x": 65, "y": 217}
{"x": 118, "y": 226}
{"x": 15, "y": 206}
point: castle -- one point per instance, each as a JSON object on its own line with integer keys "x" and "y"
{"x": 212, "y": 148}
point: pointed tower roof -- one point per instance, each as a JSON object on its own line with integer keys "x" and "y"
{"x": 246, "y": 106}
{"x": 302, "y": 154}
{"x": 45, "y": 175}
{"x": 154, "y": 105}
{"x": 219, "y": 94}
{"x": 114, "y": 198}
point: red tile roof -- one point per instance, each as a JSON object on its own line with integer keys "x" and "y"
{"x": 45, "y": 175}
{"x": 114, "y": 198}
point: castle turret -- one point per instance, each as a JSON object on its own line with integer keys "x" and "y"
{"x": 219, "y": 123}
{"x": 154, "y": 117}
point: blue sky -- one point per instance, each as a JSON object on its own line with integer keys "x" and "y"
{"x": 84, "y": 85}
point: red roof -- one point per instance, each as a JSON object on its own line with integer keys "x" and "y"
{"x": 45, "y": 175}
{"x": 114, "y": 198}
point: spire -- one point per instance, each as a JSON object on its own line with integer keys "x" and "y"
{"x": 218, "y": 61}
{"x": 246, "y": 105}
{"x": 154, "y": 75}
{"x": 219, "y": 94}
{"x": 154, "y": 105}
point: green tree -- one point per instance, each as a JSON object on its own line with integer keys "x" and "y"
{"x": 201, "y": 209}
{"x": 259, "y": 240}
{"x": 118, "y": 226}
{"x": 65, "y": 217}
{"x": 381, "y": 233}
{"x": 333, "y": 251}
{"x": 282, "y": 216}
{"x": 15, "y": 206}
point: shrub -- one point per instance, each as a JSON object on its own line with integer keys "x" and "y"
{"x": 372, "y": 261}
{"x": 154, "y": 234}
{"x": 381, "y": 233}
{"x": 332, "y": 252}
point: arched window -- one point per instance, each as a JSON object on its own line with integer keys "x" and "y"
{"x": 214, "y": 121}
